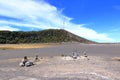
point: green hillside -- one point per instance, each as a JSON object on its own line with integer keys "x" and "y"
{"x": 44, "y": 36}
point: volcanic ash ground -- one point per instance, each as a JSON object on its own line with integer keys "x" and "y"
{"x": 62, "y": 68}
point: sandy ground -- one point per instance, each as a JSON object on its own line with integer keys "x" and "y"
{"x": 52, "y": 66}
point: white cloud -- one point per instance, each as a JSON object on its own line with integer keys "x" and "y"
{"x": 8, "y": 28}
{"x": 89, "y": 33}
{"x": 40, "y": 14}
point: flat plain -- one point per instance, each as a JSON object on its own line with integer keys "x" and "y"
{"x": 101, "y": 63}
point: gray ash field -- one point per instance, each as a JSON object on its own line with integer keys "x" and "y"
{"x": 53, "y": 66}
{"x": 109, "y": 50}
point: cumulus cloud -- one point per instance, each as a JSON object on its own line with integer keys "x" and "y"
{"x": 42, "y": 15}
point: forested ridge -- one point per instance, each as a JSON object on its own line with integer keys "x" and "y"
{"x": 44, "y": 36}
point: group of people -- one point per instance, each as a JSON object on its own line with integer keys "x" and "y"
{"x": 27, "y": 63}
{"x": 75, "y": 55}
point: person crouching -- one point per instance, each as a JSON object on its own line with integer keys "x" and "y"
{"x": 24, "y": 60}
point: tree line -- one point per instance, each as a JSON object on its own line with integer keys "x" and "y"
{"x": 45, "y": 36}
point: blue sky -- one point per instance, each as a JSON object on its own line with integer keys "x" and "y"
{"x": 96, "y": 20}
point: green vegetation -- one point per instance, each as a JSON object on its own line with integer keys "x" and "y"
{"x": 45, "y": 36}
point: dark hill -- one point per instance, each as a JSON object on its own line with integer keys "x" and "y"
{"x": 45, "y": 36}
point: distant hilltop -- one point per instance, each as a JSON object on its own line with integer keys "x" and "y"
{"x": 44, "y": 36}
